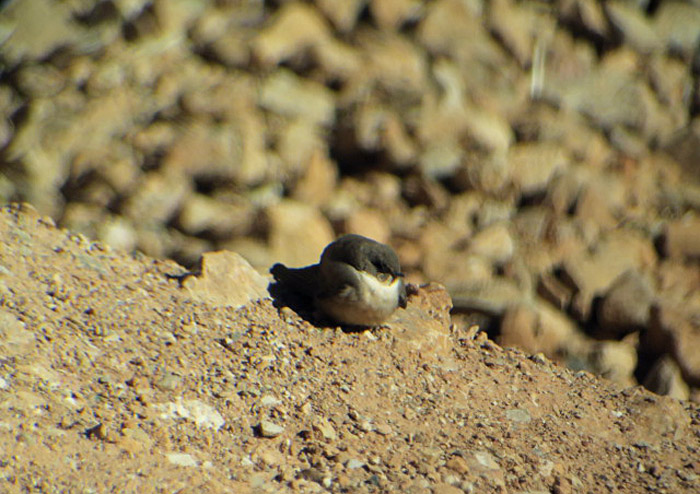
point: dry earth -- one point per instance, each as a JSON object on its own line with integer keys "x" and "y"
{"x": 121, "y": 374}
{"x": 539, "y": 159}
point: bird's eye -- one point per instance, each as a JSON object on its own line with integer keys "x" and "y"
{"x": 383, "y": 277}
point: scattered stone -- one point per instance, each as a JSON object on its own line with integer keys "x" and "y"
{"x": 298, "y": 233}
{"x": 682, "y": 238}
{"x": 270, "y": 429}
{"x": 635, "y": 26}
{"x": 205, "y": 416}
{"x": 495, "y": 243}
{"x": 182, "y": 459}
{"x": 326, "y": 429}
{"x": 354, "y": 464}
{"x": 614, "y": 360}
{"x": 286, "y": 94}
{"x": 625, "y": 307}
{"x": 225, "y": 279}
{"x": 295, "y": 28}
{"x": 665, "y": 378}
{"x": 519, "y": 415}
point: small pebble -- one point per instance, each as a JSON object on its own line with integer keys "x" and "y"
{"x": 269, "y": 429}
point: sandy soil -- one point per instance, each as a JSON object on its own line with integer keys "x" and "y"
{"x": 113, "y": 379}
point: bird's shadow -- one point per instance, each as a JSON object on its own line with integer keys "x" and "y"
{"x": 303, "y": 305}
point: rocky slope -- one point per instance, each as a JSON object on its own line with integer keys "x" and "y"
{"x": 122, "y": 373}
{"x": 540, "y": 159}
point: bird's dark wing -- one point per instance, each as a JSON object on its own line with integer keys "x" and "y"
{"x": 302, "y": 281}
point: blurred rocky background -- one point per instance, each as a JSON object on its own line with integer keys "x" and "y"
{"x": 539, "y": 158}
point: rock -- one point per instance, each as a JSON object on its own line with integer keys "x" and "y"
{"x": 294, "y": 28}
{"x": 342, "y": 13}
{"x": 297, "y": 233}
{"x": 458, "y": 464}
{"x": 614, "y": 360}
{"x": 533, "y": 165}
{"x": 354, "y": 464}
{"x": 610, "y": 94}
{"x": 225, "y": 279}
{"x": 540, "y": 328}
{"x": 270, "y": 429}
{"x": 636, "y": 28}
{"x": 682, "y": 238}
{"x": 519, "y": 329}
{"x": 599, "y": 204}
{"x": 369, "y": 223}
{"x": 678, "y": 25}
{"x": 494, "y": 243}
{"x": 284, "y": 93}
{"x": 587, "y": 12}
{"x": 424, "y": 325}
{"x": 182, "y": 459}
{"x": 554, "y": 291}
{"x": 445, "y": 488}
{"x": 117, "y": 232}
{"x": 202, "y": 414}
{"x": 220, "y": 218}
{"x": 394, "y": 62}
{"x": 625, "y": 306}
{"x": 297, "y": 143}
{"x": 665, "y": 378}
{"x": 591, "y": 273}
{"x": 514, "y": 24}
{"x": 491, "y": 297}
{"x": 675, "y": 331}
{"x": 391, "y": 14}
{"x": 399, "y": 144}
{"x": 519, "y": 415}
{"x": 37, "y": 28}
{"x": 325, "y": 428}
{"x": 318, "y": 182}
{"x": 158, "y": 198}
{"x": 15, "y": 339}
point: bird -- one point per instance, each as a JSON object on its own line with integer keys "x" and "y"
{"x": 357, "y": 282}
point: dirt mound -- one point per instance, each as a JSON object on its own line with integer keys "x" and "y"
{"x": 113, "y": 378}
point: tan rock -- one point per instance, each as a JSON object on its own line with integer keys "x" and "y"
{"x": 158, "y": 198}
{"x": 591, "y": 274}
{"x": 682, "y": 238}
{"x": 202, "y": 213}
{"x": 297, "y": 143}
{"x": 394, "y": 61}
{"x": 534, "y": 164}
{"x": 490, "y": 296}
{"x": 665, "y": 378}
{"x": 225, "y": 279}
{"x": 317, "y": 184}
{"x": 390, "y": 14}
{"x": 495, "y": 243}
{"x": 297, "y": 233}
{"x": 294, "y": 28}
{"x": 614, "y": 360}
{"x": 424, "y": 325}
{"x": 625, "y": 307}
{"x": 342, "y": 13}
{"x": 369, "y": 223}
{"x": 635, "y": 26}
{"x": 677, "y": 24}
{"x": 518, "y": 329}
{"x": 515, "y": 25}
{"x": 286, "y": 94}
{"x": 554, "y": 291}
